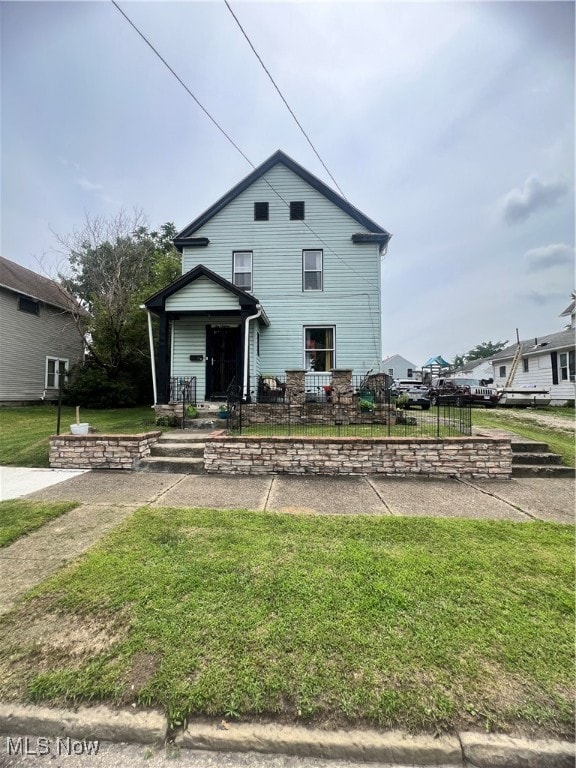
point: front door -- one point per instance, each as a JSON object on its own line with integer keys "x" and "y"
{"x": 223, "y": 360}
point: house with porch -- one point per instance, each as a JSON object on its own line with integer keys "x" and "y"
{"x": 280, "y": 274}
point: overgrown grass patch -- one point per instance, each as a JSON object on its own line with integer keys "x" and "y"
{"x": 416, "y": 623}
{"x": 18, "y": 517}
{"x": 24, "y": 432}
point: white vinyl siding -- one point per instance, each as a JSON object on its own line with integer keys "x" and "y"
{"x": 26, "y": 340}
{"x": 202, "y": 294}
{"x": 351, "y": 271}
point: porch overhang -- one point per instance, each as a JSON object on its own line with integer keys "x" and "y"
{"x": 244, "y": 303}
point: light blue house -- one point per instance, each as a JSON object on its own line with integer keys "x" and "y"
{"x": 281, "y": 273}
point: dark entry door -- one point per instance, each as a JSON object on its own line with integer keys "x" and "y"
{"x": 223, "y": 359}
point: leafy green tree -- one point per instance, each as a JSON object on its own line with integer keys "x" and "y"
{"x": 114, "y": 264}
{"x": 479, "y": 352}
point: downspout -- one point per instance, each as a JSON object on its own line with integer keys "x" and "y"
{"x": 152, "y": 358}
{"x": 246, "y": 347}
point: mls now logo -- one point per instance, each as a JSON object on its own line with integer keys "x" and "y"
{"x": 26, "y": 746}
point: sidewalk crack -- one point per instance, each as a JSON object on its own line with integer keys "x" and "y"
{"x": 495, "y": 496}
{"x": 377, "y": 492}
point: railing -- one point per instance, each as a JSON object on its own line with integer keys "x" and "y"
{"x": 366, "y": 413}
{"x": 183, "y": 390}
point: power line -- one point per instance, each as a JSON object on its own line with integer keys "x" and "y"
{"x": 236, "y": 147}
{"x": 182, "y": 83}
{"x": 265, "y": 68}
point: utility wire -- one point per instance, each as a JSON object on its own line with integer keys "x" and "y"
{"x": 236, "y": 147}
{"x": 265, "y": 68}
{"x": 183, "y": 84}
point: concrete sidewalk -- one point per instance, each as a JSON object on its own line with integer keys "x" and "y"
{"x": 520, "y": 499}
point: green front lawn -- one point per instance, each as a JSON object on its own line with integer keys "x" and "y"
{"x": 18, "y": 517}
{"x": 24, "y": 432}
{"x": 559, "y": 441}
{"x": 396, "y": 622}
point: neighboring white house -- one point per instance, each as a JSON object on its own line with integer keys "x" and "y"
{"x": 280, "y": 273}
{"x": 39, "y": 338}
{"x": 400, "y": 368}
{"x": 547, "y": 362}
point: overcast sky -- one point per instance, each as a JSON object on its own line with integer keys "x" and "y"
{"x": 450, "y": 124}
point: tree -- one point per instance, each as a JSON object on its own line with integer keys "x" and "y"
{"x": 479, "y": 352}
{"x": 114, "y": 265}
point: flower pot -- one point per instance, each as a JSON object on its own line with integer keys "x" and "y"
{"x": 80, "y": 429}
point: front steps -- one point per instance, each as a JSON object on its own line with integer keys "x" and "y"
{"x": 532, "y": 459}
{"x": 179, "y": 451}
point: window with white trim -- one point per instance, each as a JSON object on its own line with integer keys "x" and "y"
{"x": 56, "y": 370}
{"x": 319, "y": 348}
{"x": 502, "y": 372}
{"x": 564, "y": 367}
{"x": 312, "y": 270}
{"x": 242, "y": 270}
{"x": 525, "y": 365}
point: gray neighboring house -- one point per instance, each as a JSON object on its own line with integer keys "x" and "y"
{"x": 39, "y": 339}
{"x": 476, "y": 369}
{"x": 400, "y": 368}
{"x": 547, "y": 362}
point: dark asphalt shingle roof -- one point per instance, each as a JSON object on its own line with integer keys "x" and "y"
{"x": 552, "y": 341}
{"x": 21, "y": 280}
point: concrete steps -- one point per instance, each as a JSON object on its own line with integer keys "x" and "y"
{"x": 533, "y": 459}
{"x": 179, "y": 450}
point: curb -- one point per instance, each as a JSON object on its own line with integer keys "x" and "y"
{"x": 475, "y": 750}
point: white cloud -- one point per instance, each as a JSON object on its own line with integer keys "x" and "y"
{"x": 520, "y": 204}
{"x": 549, "y": 256}
{"x": 88, "y": 185}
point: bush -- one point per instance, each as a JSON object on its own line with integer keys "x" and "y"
{"x": 166, "y": 420}
{"x": 91, "y": 387}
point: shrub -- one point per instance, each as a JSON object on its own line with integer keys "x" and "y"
{"x": 166, "y": 420}
{"x": 91, "y": 387}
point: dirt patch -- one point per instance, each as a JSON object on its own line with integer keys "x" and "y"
{"x": 560, "y": 422}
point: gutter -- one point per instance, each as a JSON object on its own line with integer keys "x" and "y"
{"x": 246, "y": 346}
{"x": 152, "y": 359}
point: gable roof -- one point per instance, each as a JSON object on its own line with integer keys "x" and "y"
{"x": 398, "y": 357}
{"x": 21, "y": 280}
{"x": 246, "y": 300}
{"x": 548, "y": 343}
{"x": 379, "y": 233}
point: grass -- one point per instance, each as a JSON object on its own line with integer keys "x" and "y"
{"x": 19, "y": 517}
{"x": 425, "y": 624}
{"x": 24, "y": 432}
{"x": 560, "y": 441}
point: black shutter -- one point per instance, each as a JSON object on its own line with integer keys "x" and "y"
{"x": 554, "y": 359}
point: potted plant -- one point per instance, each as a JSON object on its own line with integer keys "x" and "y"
{"x": 366, "y": 406}
{"x": 223, "y": 411}
{"x": 80, "y": 428}
{"x": 191, "y": 411}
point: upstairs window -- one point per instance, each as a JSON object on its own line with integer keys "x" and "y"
{"x": 409, "y": 373}
{"x": 56, "y": 370}
{"x": 297, "y": 211}
{"x": 312, "y": 269}
{"x": 525, "y": 365}
{"x": 260, "y": 211}
{"x": 319, "y": 352}
{"x": 26, "y": 304}
{"x": 242, "y": 270}
{"x": 502, "y": 371}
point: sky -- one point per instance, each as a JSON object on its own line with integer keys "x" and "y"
{"x": 450, "y": 124}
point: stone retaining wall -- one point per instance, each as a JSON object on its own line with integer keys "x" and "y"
{"x": 466, "y": 457}
{"x": 100, "y": 451}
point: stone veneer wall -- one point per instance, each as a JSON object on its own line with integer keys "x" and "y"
{"x": 467, "y": 457}
{"x": 100, "y": 451}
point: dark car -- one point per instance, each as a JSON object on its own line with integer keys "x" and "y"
{"x": 460, "y": 391}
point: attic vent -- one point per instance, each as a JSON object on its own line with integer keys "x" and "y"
{"x": 26, "y": 304}
{"x": 260, "y": 211}
{"x": 297, "y": 211}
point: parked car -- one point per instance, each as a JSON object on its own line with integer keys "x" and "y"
{"x": 403, "y": 385}
{"x": 415, "y": 396}
{"x": 460, "y": 392}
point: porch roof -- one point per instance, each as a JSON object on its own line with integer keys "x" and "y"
{"x": 246, "y": 301}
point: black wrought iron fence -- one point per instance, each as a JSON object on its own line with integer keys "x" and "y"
{"x": 363, "y": 411}
{"x": 183, "y": 390}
